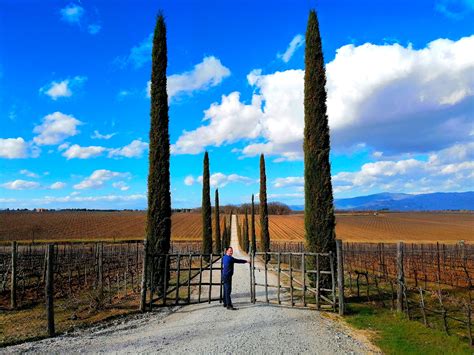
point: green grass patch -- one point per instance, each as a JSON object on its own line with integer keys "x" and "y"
{"x": 395, "y": 334}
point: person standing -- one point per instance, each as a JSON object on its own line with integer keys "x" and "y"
{"x": 228, "y": 262}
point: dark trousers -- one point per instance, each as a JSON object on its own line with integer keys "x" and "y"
{"x": 227, "y": 291}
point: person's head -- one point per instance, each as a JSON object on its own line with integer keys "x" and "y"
{"x": 229, "y": 251}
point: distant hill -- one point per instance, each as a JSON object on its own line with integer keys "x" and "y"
{"x": 437, "y": 201}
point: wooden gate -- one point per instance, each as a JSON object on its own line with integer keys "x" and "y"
{"x": 188, "y": 278}
{"x": 296, "y": 279}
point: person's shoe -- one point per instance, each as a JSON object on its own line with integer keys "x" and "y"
{"x": 225, "y": 306}
{"x": 232, "y": 308}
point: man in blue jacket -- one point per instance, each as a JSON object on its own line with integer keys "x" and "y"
{"x": 227, "y": 271}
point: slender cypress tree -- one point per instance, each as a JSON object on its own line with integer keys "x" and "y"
{"x": 253, "y": 246}
{"x": 206, "y": 209}
{"x": 246, "y": 232}
{"x": 158, "y": 228}
{"x": 319, "y": 210}
{"x": 217, "y": 221}
{"x": 264, "y": 233}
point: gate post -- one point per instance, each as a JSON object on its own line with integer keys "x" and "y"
{"x": 49, "y": 290}
{"x": 340, "y": 275}
{"x": 144, "y": 277}
{"x": 400, "y": 277}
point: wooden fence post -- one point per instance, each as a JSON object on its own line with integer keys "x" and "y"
{"x": 14, "y": 273}
{"x": 49, "y": 291}
{"x": 400, "y": 277}
{"x": 340, "y": 275}
{"x": 144, "y": 277}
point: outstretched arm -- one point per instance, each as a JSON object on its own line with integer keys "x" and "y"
{"x": 240, "y": 261}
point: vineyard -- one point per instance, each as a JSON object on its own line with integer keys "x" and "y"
{"x": 128, "y": 225}
{"x": 91, "y": 226}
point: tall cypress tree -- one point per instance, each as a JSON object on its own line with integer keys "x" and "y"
{"x": 264, "y": 233}
{"x": 217, "y": 221}
{"x": 319, "y": 210}
{"x": 206, "y": 209}
{"x": 253, "y": 245}
{"x": 158, "y": 228}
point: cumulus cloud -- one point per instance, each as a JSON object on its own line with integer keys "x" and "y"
{"x": 121, "y": 185}
{"x": 57, "y": 185}
{"x": 94, "y": 29}
{"x": 391, "y": 98}
{"x": 104, "y": 198}
{"x": 442, "y": 171}
{"x": 133, "y": 150}
{"x": 57, "y": 89}
{"x": 229, "y": 121}
{"x": 78, "y": 152}
{"x": 29, "y": 173}
{"x": 295, "y": 43}
{"x": 189, "y": 180}
{"x": 20, "y": 185}
{"x": 139, "y": 55}
{"x": 98, "y": 179}
{"x": 97, "y": 135}
{"x": 55, "y": 128}
{"x": 455, "y": 9}
{"x": 210, "y": 72}
{"x": 72, "y": 13}
{"x": 221, "y": 180}
{"x": 13, "y": 148}
{"x": 289, "y": 181}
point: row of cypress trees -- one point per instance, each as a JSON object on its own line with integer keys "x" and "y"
{"x": 319, "y": 210}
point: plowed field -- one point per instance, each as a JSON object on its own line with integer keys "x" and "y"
{"x": 384, "y": 227}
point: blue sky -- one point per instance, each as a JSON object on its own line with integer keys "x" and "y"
{"x": 74, "y": 106}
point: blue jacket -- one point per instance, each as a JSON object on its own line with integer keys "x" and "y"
{"x": 228, "y": 267}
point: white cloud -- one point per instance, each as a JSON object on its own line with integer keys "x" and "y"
{"x": 121, "y": 185}
{"x": 139, "y": 55}
{"x": 77, "y": 152}
{"x": 63, "y": 88}
{"x": 221, "y": 180}
{"x": 388, "y": 97}
{"x": 229, "y": 122}
{"x": 21, "y": 185}
{"x": 210, "y": 72}
{"x": 455, "y": 9}
{"x": 72, "y": 13}
{"x": 63, "y": 146}
{"x": 104, "y": 198}
{"x": 133, "y": 150}
{"x": 29, "y": 173}
{"x": 94, "y": 28}
{"x": 97, "y": 135}
{"x": 55, "y": 128}
{"x": 289, "y": 181}
{"x": 13, "y": 148}
{"x": 442, "y": 171}
{"x": 295, "y": 43}
{"x": 57, "y": 185}
{"x": 98, "y": 178}
{"x": 189, "y": 180}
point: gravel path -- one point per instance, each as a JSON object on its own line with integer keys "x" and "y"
{"x": 210, "y": 329}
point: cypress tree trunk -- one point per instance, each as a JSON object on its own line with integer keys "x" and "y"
{"x": 217, "y": 222}
{"x": 158, "y": 228}
{"x": 264, "y": 232}
{"x": 319, "y": 210}
{"x": 246, "y": 232}
{"x": 206, "y": 209}
{"x": 253, "y": 246}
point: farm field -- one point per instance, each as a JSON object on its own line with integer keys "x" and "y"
{"x": 129, "y": 225}
{"x": 90, "y": 226}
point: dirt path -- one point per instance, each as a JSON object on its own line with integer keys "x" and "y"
{"x": 210, "y": 329}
